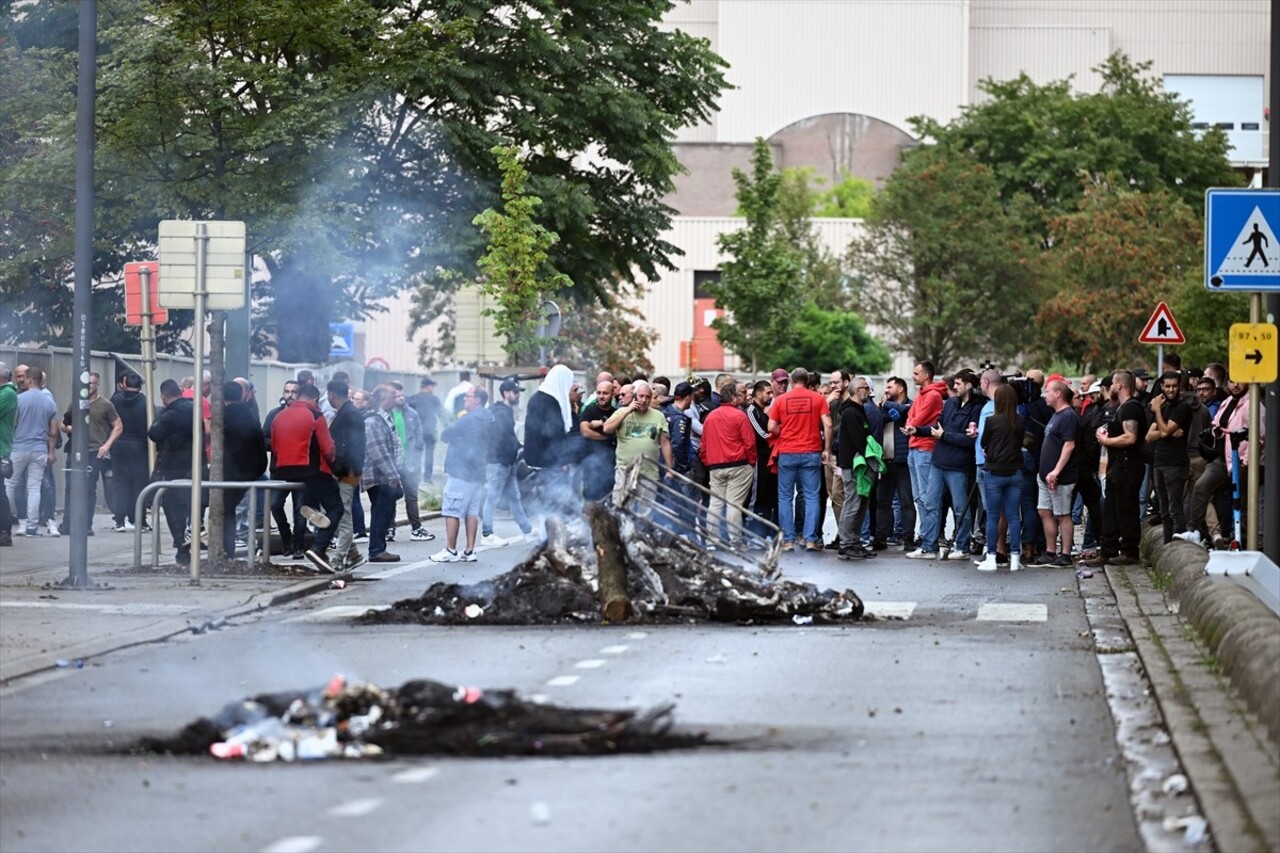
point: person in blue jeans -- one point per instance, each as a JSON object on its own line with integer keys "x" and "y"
{"x": 952, "y": 465}
{"x": 801, "y": 420}
{"x": 500, "y": 467}
{"x": 1002, "y": 436}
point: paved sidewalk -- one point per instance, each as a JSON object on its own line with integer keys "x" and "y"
{"x": 43, "y": 626}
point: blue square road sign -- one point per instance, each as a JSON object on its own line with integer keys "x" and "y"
{"x": 1241, "y": 252}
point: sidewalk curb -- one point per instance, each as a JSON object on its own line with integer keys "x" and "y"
{"x": 166, "y": 630}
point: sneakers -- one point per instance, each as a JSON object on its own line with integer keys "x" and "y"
{"x": 445, "y": 555}
{"x": 812, "y": 546}
{"x": 1096, "y": 562}
{"x": 385, "y": 557}
{"x": 128, "y": 526}
{"x": 920, "y": 554}
{"x": 957, "y": 555}
{"x": 146, "y": 528}
{"x": 391, "y": 534}
{"x": 315, "y": 516}
{"x": 360, "y": 537}
{"x": 1043, "y": 559}
{"x": 1192, "y": 536}
{"x": 788, "y": 546}
{"x": 354, "y": 559}
{"x": 492, "y": 540}
{"x": 298, "y": 555}
{"x": 31, "y": 530}
{"x": 855, "y": 552}
{"x": 989, "y": 563}
{"x": 1063, "y": 561}
{"x": 834, "y": 544}
{"x": 317, "y": 559}
{"x": 24, "y": 527}
{"x": 52, "y": 527}
{"x": 467, "y": 556}
{"x": 120, "y": 528}
{"x": 420, "y": 535}
{"x": 1015, "y": 562}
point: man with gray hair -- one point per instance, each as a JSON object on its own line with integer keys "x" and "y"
{"x": 642, "y": 433}
{"x": 34, "y": 448}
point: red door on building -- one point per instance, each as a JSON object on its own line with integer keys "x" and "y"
{"x": 705, "y": 351}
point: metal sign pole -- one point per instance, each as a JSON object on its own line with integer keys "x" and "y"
{"x": 1255, "y": 445}
{"x": 197, "y": 398}
{"x": 1271, "y": 489}
{"x": 148, "y": 359}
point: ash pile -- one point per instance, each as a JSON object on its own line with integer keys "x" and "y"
{"x": 651, "y": 557}
{"x": 421, "y": 717}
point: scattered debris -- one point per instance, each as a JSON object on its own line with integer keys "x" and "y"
{"x": 420, "y": 717}
{"x": 62, "y": 663}
{"x": 1084, "y": 574}
{"x": 1175, "y": 785}
{"x": 338, "y": 584}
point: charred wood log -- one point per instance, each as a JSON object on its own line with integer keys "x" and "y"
{"x": 611, "y": 566}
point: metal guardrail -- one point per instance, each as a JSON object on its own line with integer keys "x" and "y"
{"x": 152, "y": 492}
{"x": 678, "y": 510}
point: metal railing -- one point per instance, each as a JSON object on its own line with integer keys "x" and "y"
{"x": 152, "y": 492}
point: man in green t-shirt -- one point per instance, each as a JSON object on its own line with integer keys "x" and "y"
{"x": 642, "y": 432}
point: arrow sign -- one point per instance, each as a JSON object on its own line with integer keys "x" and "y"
{"x": 1162, "y": 328}
{"x": 1255, "y": 356}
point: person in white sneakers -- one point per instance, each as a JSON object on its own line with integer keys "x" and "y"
{"x": 464, "y": 465}
{"x": 1002, "y": 435}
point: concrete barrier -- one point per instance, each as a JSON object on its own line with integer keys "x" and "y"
{"x": 1242, "y": 633}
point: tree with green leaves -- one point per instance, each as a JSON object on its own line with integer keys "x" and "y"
{"x": 833, "y": 339}
{"x": 1040, "y": 140}
{"x": 944, "y": 265}
{"x": 597, "y": 336}
{"x": 758, "y": 281}
{"x": 514, "y": 269}
{"x": 353, "y": 137}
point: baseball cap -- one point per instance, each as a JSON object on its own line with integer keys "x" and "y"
{"x": 510, "y": 385}
{"x": 426, "y": 380}
{"x": 1095, "y": 387}
{"x": 1141, "y": 373}
{"x": 780, "y": 375}
{"x": 684, "y": 389}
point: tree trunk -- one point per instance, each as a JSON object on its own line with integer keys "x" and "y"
{"x": 611, "y": 561}
{"x": 217, "y": 344}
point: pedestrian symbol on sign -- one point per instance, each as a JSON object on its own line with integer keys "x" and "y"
{"x": 1257, "y": 238}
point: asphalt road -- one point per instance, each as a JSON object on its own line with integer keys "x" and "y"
{"x": 977, "y": 722}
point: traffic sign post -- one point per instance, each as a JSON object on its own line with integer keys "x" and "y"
{"x": 1161, "y": 329}
{"x": 1253, "y": 352}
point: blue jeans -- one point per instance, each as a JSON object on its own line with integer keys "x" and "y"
{"x": 1002, "y": 493}
{"x": 920, "y": 464}
{"x": 957, "y": 483}
{"x": 807, "y": 469}
{"x": 500, "y": 480}
{"x": 382, "y": 514}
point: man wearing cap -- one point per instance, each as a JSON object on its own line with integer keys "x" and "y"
{"x": 429, "y": 408}
{"x": 801, "y": 420}
{"x": 779, "y": 379}
{"x": 500, "y": 471}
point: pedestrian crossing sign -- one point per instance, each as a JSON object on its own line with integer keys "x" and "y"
{"x": 1241, "y": 252}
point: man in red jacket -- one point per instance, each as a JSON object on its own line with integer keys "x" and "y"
{"x": 303, "y": 449}
{"x": 729, "y": 453}
{"x": 921, "y": 418}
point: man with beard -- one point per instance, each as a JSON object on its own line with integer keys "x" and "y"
{"x": 303, "y": 450}
{"x": 1168, "y": 436}
{"x": 291, "y": 536}
{"x": 550, "y": 446}
{"x": 598, "y": 459}
{"x": 104, "y": 428}
{"x": 1123, "y": 437}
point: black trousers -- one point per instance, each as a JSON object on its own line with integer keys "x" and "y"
{"x": 1121, "y": 523}
{"x": 130, "y": 462}
{"x": 230, "y": 500}
{"x": 298, "y": 527}
{"x": 895, "y": 479}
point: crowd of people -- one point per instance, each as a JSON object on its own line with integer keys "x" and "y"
{"x": 978, "y": 464}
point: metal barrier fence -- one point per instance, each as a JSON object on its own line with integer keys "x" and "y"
{"x": 152, "y": 492}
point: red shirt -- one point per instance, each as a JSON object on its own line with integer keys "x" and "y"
{"x": 799, "y": 417}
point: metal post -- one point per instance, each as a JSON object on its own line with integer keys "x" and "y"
{"x": 197, "y": 396}
{"x": 1271, "y": 488}
{"x": 148, "y": 359}
{"x": 1159, "y": 360}
{"x": 75, "y": 503}
{"x": 1254, "y": 467}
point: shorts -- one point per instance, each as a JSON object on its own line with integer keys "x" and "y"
{"x": 1058, "y": 500}
{"x": 461, "y": 498}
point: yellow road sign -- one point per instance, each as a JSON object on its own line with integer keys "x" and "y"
{"x": 1253, "y": 352}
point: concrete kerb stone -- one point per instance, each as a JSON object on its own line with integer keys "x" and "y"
{"x": 1240, "y": 631}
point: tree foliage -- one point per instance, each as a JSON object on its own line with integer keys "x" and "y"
{"x": 352, "y": 136}
{"x": 833, "y": 339}
{"x": 944, "y": 265}
{"x": 1113, "y": 260}
{"x": 820, "y": 276}
{"x": 514, "y": 270}
{"x": 1039, "y": 140}
{"x": 599, "y": 336}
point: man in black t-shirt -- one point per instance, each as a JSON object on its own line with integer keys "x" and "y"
{"x": 1168, "y": 437}
{"x": 1123, "y": 437}
{"x": 598, "y": 461}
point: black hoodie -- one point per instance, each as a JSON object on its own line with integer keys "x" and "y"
{"x": 131, "y": 406}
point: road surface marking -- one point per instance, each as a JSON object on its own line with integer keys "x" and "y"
{"x": 890, "y": 609}
{"x": 1013, "y": 613}
{"x": 294, "y": 844}
{"x": 356, "y": 808}
{"x": 594, "y": 663}
{"x": 398, "y": 570}
{"x": 416, "y": 775}
{"x": 113, "y": 609}
{"x": 563, "y": 681}
{"x": 337, "y": 613}
{"x": 613, "y": 650}
{"x": 637, "y": 635}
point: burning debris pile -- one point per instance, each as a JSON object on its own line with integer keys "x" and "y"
{"x": 626, "y": 567}
{"x": 421, "y": 717}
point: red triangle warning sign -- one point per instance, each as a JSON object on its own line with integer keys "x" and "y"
{"x": 1162, "y": 328}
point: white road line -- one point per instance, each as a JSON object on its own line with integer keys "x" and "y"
{"x": 595, "y": 663}
{"x": 637, "y": 635}
{"x": 613, "y": 650}
{"x": 356, "y": 808}
{"x": 294, "y": 844}
{"x": 563, "y": 680}
{"x": 890, "y": 609}
{"x": 1013, "y": 613}
{"x": 415, "y": 775}
{"x": 337, "y": 613}
{"x": 113, "y": 609}
{"x": 398, "y": 570}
